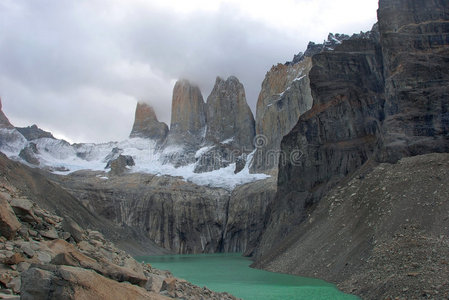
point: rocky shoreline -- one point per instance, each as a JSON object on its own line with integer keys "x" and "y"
{"x": 43, "y": 256}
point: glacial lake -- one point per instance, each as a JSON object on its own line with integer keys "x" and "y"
{"x": 231, "y": 273}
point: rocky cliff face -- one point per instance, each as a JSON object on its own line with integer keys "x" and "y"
{"x": 179, "y": 216}
{"x": 285, "y": 95}
{"x": 229, "y": 116}
{"x": 335, "y": 137}
{"x": 33, "y": 133}
{"x": 4, "y": 122}
{"x": 415, "y": 45}
{"x": 377, "y": 96}
{"x": 188, "y": 115}
{"x": 146, "y": 124}
{"x": 230, "y": 126}
{"x": 188, "y": 124}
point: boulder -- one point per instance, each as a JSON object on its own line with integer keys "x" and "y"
{"x": 66, "y": 254}
{"x": 66, "y": 282}
{"x": 9, "y": 225}
{"x": 119, "y": 165}
{"x": 146, "y": 124}
{"x": 74, "y": 229}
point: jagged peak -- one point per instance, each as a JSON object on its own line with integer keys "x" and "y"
{"x": 4, "y": 121}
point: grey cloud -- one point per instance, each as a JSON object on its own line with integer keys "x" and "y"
{"x": 78, "y": 67}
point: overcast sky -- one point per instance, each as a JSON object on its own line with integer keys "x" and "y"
{"x": 78, "y": 67}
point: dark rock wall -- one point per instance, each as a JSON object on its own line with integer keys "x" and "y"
{"x": 415, "y": 44}
{"x": 379, "y": 96}
{"x": 179, "y": 216}
{"x": 332, "y": 139}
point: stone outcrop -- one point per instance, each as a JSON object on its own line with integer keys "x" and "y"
{"x": 285, "y": 95}
{"x": 188, "y": 115}
{"x": 146, "y": 124}
{"x": 229, "y": 116}
{"x": 415, "y": 45}
{"x": 177, "y": 215}
{"x": 230, "y": 126}
{"x": 33, "y": 133}
{"x": 4, "y": 122}
{"x": 187, "y": 126}
{"x": 119, "y": 165}
{"x": 29, "y": 153}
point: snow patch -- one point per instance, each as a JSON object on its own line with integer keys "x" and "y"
{"x": 64, "y": 158}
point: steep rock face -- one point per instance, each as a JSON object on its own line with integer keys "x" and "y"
{"x": 33, "y": 133}
{"x": 332, "y": 139}
{"x": 4, "y": 122}
{"x": 146, "y": 124}
{"x": 285, "y": 95}
{"x": 378, "y": 223}
{"x": 177, "y": 215}
{"x": 188, "y": 124}
{"x": 188, "y": 115}
{"x": 415, "y": 44}
{"x": 246, "y": 212}
{"x": 230, "y": 126}
{"x": 229, "y": 116}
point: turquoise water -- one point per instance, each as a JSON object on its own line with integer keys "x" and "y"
{"x": 231, "y": 273}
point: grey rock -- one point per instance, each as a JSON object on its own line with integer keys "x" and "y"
{"x": 415, "y": 47}
{"x": 33, "y": 133}
{"x": 43, "y": 257}
{"x": 119, "y": 165}
{"x": 26, "y": 248}
{"x": 9, "y": 225}
{"x": 334, "y": 138}
{"x": 188, "y": 124}
{"x": 23, "y": 266}
{"x": 177, "y": 215}
{"x": 28, "y": 154}
{"x": 15, "y": 284}
{"x": 4, "y": 122}
{"x": 146, "y": 124}
{"x": 50, "y": 233}
{"x": 285, "y": 95}
{"x": 74, "y": 229}
{"x": 229, "y": 116}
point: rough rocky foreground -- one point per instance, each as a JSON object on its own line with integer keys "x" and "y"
{"x": 43, "y": 256}
{"x": 383, "y": 233}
